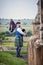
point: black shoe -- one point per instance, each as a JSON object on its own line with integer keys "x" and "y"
{"x": 21, "y": 56}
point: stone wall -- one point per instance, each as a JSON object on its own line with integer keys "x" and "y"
{"x": 35, "y": 51}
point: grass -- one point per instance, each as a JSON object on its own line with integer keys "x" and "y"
{"x": 7, "y": 59}
{"x": 11, "y": 44}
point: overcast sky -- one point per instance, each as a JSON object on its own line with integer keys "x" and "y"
{"x": 18, "y": 9}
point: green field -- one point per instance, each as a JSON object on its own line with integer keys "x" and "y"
{"x": 4, "y": 28}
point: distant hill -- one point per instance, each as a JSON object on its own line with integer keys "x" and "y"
{"x": 23, "y": 21}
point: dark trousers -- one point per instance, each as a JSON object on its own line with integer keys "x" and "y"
{"x": 18, "y": 49}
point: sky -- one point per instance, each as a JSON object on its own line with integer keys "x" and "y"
{"x": 18, "y": 9}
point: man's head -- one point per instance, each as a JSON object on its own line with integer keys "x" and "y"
{"x": 18, "y": 24}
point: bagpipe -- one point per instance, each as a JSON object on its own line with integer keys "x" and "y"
{"x": 13, "y": 26}
{"x": 23, "y": 30}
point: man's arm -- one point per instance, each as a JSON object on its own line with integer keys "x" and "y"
{"x": 20, "y": 31}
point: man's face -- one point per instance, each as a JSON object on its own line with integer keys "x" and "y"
{"x": 19, "y": 25}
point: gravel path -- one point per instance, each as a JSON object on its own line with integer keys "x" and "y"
{"x": 11, "y": 48}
